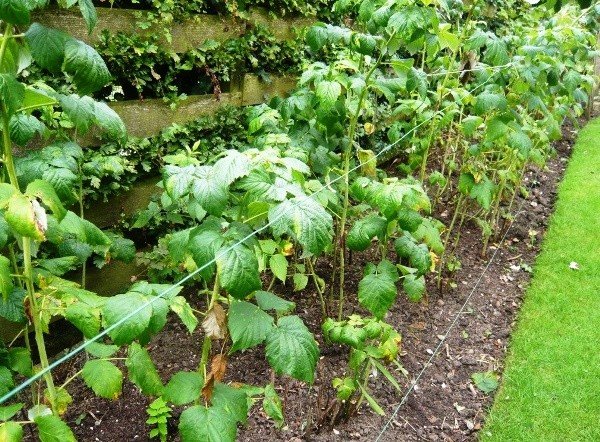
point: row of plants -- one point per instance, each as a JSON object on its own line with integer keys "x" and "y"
{"x": 466, "y": 111}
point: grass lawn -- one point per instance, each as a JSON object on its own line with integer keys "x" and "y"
{"x": 551, "y": 386}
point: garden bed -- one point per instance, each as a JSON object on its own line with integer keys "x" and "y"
{"x": 444, "y": 404}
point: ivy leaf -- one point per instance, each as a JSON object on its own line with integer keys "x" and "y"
{"x": 183, "y": 388}
{"x": 238, "y": 270}
{"x": 103, "y": 377}
{"x": 248, "y": 325}
{"x": 23, "y": 128}
{"x": 12, "y": 92}
{"x": 89, "y": 14}
{"x": 207, "y": 424}
{"x": 52, "y": 429}
{"x": 47, "y": 46}
{"x": 142, "y": 371}
{"x": 364, "y": 230}
{"x": 414, "y": 286}
{"x": 292, "y": 349}
{"x": 327, "y": 93}
{"x": 117, "y": 308}
{"x": 6, "y": 284}
{"x": 279, "y": 266}
{"x": 210, "y": 190}
{"x": 377, "y": 293}
{"x": 15, "y": 12}
{"x": 87, "y": 68}
{"x": 306, "y": 220}
{"x": 11, "y": 432}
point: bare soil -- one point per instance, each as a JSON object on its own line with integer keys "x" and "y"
{"x": 446, "y": 338}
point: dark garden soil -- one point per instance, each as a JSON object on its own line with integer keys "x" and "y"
{"x": 444, "y": 404}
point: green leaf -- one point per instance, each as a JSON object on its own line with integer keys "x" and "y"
{"x": 202, "y": 424}
{"x": 279, "y": 266}
{"x": 9, "y": 411}
{"x": 487, "y": 102}
{"x": 58, "y": 266}
{"x": 372, "y": 402}
{"x": 273, "y": 406}
{"x": 232, "y": 166}
{"x": 21, "y": 217}
{"x": 269, "y": 301}
{"x": 377, "y": 293}
{"x": 316, "y": 36}
{"x": 19, "y": 360}
{"x": 496, "y": 53}
{"x": 23, "y": 128}
{"x": 64, "y": 182}
{"x": 210, "y": 190}
{"x": 89, "y": 14}
{"x": 470, "y": 125}
{"x": 238, "y": 270}
{"x": 300, "y": 281}
{"x": 486, "y": 381}
{"x": 15, "y": 12}
{"x": 495, "y": 129}
{"x": 52, "y": 429}
{"x": 117, "y": 308}
{"x": 80, "y": 110}
{"x": 108, "y": 120}
{"x": 204, "y": 246}
{"x": 101, "y": 350}
{"x": 328, "y": 92}
{"x": 12, "y": 92}
{"x": 417, "y": 254}
{"x": 181, "y": 308}
{"x": 292, "y": 349}
{"x": 36, "y": 99}
{"x": 414, "y": 286}
{"x": 6, "y": 380}
{"x": 483, "y": 192}
{"x": 47, "y": 46}
{"x": 11, "y": 432}
{"x": 183, "y": 388}
{"x": 142, "y": 371}
{"x": 85, "y": 317}
{"x": 231, "y": 399}
{"x": 103, "y": 377}
{"x": 87, "y": 68}
{"x": 248, "y": 325}
{"x": 13, "y": 308}
{"x": 521, "y": 142}
{"x": 306, "y": 220}
{"x": 44, "y": 191}
{"x": 364, "y": 230}
{"x": 6, "y": 284}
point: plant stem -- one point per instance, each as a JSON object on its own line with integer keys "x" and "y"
{"x": 207, "y": 343}
{"x": 319, "y": 290}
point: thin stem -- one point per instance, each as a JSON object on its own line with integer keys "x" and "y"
{"x": 207, "y": 343}
{"x": 318, "y": 286}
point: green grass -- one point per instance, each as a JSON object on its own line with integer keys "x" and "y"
{"x": 551, "y": 386}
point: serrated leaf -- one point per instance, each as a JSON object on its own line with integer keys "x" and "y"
{"x": 495, "y": 53}
{"x": 377, "y": 293}
{"x": 238, "y": 270}
{"x": 183, "y": 388}
{"x": 85, "y": 317}
{"x": 52, "y": 429}
{"x": 15, "y": 12}
{"x": 316, "y": 36}
{"x": 204, "y": 246}
{"x": 272, "y": 405}
{"x": 521, "y": 142}
{"x": 44, "y": 191}
{"x": 306, "y": 220}
{"x": 210, "y": 190}
{"x": 417, "y": 254}
{"x": 248, "y": 325}
{"x": 483, "y": 192}
{"x": 6, "y": 380}
{"x": 486, "y": 381}
{"x": 85, "y": 65}
{"x": 64, "y": 182}
{"x": 108, "y": 120}
{"x": 21, "y": 218}
{"x": 487, "y": 102}
{"x": 495, "y": 129}
{"x": 80, "y": 110}
{"x": 414, "y": 286}
{"x": 292, "y": 349}
{"x": 103, "y": 377}
{"x": 181, "y": 308}
{"x": 101, "y": 350}
{"x": 269, "y": 301}
{"x": 470, "y": 124}
{"x": 327, "y": 93}
{"x": 19, "y": 359}
{"x": 363, "y": 43}
{"x": 300, "y": 281}
{"x": 47, "y": 46}
{"x": 231, "y": 399}
{"x": 364, "y": 230}
{"x": 232, "y": 166}
{"x": 279, "y": 266}
{"x": 207, "y": 424}
{"x": 13, "y": 308}
{"x": 12, "y": 93}
{"x": 24, "y": 127}
{"x": 36, "y": 99}
{"x": 11, "y": 432}
{"x": 9, "y": 411}
{"x": 142, "y": 371}
{"x": 214, "y": 323}
{"x": 117, "y": 308}
{"x": 89, "y": 14}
